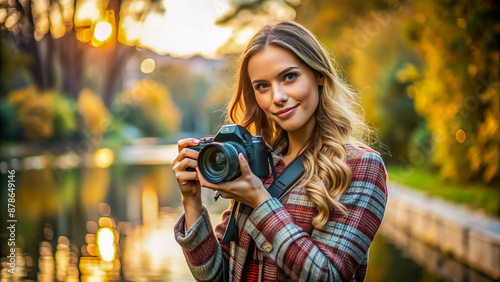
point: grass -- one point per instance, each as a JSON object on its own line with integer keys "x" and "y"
{"x": 476, "y": 196}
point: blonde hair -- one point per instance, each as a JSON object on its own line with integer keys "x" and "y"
{"x": 338, "y": 122}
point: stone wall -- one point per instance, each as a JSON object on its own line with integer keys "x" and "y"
{"x": 470, "y": 238}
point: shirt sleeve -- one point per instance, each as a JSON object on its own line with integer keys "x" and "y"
{"x": 202, "y": 246}
{"x": 334, "y": 252}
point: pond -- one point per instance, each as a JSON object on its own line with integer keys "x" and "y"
{"x": 125, "y": 213}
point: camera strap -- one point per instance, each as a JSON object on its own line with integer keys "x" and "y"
{"x": 280, "y": 184}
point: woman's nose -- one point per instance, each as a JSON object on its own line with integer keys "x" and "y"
{"x": 279, "y": 95}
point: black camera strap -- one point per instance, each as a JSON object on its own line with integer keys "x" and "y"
{"x": 280, "y": 184}
{"x": 287, "y": 178}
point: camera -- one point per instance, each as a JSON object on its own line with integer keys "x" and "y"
{"x": 218, "y": 158}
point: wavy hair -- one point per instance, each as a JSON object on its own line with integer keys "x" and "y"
{"x": 339, "y": 122}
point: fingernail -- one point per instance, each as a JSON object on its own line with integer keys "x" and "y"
{"x": 195, "y": 141}
{"x": 241, "y": 156}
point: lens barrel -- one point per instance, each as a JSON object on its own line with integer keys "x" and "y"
{"x": 218, "y": 162}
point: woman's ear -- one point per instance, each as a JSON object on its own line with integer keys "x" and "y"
{"x": 320, "y": 80}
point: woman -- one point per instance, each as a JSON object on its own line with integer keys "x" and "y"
{"x": 288, "y": 92}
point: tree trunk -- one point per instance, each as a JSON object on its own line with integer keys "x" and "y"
{"x": 70, "y": 55}
{"x": 28, "y": 44}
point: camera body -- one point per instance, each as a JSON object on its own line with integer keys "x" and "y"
{"x": 218, "y": 158}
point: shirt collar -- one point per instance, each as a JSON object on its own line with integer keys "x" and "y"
{"x": 278, "y": 152}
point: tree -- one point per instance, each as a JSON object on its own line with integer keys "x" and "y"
{"x": 59, "y": 35}
{"x": 458, "y": 93}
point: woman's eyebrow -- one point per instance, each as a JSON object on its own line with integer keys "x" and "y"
{"x": 279, "y": 74}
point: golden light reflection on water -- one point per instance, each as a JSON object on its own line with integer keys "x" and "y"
{"x": 22, "y": 264}
{"x": 61, "y": 266}
{"x": 101, "y": 253}
{"x": 101, "y": 256}
{"x": 149, "y": 206}
{"x": 150, "y": 252}
{"x": 106, "y": 244}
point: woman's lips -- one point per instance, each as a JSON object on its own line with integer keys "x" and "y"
{"x": 287, "y": 112}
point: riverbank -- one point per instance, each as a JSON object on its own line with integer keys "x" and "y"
{"x": 471, "y": 238}
{"x": 477, "y": 196}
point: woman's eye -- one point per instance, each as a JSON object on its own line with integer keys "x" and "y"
{"x": 290, "y": 76}
{"x": 261, "y": 86}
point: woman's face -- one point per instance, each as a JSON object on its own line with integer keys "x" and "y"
{"x": 285, "y": 88}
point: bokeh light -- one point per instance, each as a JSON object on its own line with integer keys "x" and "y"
{"x": 148, "y": 65}
{"x": 106, "y": 244}
{"x": 103, "y": 157}
{"x": 102, "y": 31}
{"x": 460, "y": 136}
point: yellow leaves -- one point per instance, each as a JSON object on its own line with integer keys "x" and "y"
{"x": 475, "y": 158}
{"x": 461, "y": 23}
{"x": 155, "y": 102}
{"x": 34, "y": 111}
{"x": 492, "y": 168}
{"x": 364, "y": 73}
{"x": 488, "y": 129}
{"x": 487, "y": 158}
{"x": 488, "y": 139}
{"x": 408, "y": 73}
{"x": 420, "y": 18}
{"x": 410, "y": 90}
{"x": 449, "y": 100}
{"x": 93, "y": 110}
{"x": 18, "y": 97}
{"x": 472, "y": 69}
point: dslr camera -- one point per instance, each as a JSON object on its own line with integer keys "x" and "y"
{"x": 218, "y": 158}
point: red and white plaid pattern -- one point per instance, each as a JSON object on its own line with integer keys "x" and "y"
{"x": 300, "y": 251}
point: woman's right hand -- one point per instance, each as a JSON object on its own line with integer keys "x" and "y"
{"x": 187, "y": 180}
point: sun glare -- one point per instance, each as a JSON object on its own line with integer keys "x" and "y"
{"x": 186, "y": 28}
{"x": 87, "y": 12}
{"x": 102, "y": 31}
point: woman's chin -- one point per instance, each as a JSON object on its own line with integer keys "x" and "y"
{"x": 289, "y": 126}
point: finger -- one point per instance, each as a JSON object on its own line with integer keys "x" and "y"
{"x": 188, "y": 153}
{"x": 185, "y": 176}
{"x": 205, "y": 183}
{"x": 244, "y": 166}
{"x": 185, "y": 163}
{"x": 183, "y": 143}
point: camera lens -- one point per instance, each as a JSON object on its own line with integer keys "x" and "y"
{"x": 218, "y": 162}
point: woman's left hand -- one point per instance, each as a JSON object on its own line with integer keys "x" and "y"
{"x": 247, "y": 189}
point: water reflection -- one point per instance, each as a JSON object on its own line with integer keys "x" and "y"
{"x": 151, "y": 253}
{"x": 115, "y": 222}
{"x": 22, "y": 265}
{"x": 76, "y": 224}
{"x": 397, "y": 256}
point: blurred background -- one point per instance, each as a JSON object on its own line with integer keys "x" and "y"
{"x": 94, "y": 95}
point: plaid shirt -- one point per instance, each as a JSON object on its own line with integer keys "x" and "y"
{"x": 278, "y": 236}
